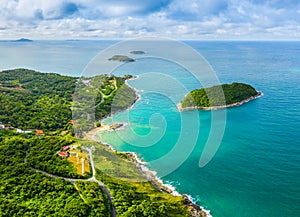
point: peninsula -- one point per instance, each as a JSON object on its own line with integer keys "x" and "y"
{"x": 219, "y": 97}
{"x": 46, "y": 155}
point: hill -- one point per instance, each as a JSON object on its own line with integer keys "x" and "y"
{"x": 35, "y": 100}
{"x": 219, "y": 96}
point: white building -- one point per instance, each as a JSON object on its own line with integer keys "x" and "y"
{"x": 82, "y": 166}
{"x": 23, "y": 131}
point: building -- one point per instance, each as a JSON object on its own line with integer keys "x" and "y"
{"x": 62, "y": 154}
{"x": 73, "y": 147}
{"x": 23, "y": 131}
{"x": 65, "y": 148}
{"x": 82, "y": 166}
{"x": 75, "y": 154}
{"x": 39, "y": 132}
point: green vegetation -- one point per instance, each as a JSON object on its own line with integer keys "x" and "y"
{"x": 133, "y": 194}
{"x": 25, "y": 192}
{"x": 137, "y": 52}
{"x": 95, "y": 198}
{"x": 116, "y": 164}
{"x": 142, "y": 199}
{"x": 33, "y": 100}
{"x": 218, "y": 95}
{"x": 43, "y": 156}
{"x": 121, "y": 58}
{"x": 125, "y": 77}
{"x": 109, "y": 93}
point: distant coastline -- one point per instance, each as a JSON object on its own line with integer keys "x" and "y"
{"x": 22, "y": 40}
{"x": 259, "y": 94}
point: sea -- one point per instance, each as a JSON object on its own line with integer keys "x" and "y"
{"x": 237, "y": 162}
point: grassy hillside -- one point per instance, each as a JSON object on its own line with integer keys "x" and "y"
{"x": 133, "y": 194}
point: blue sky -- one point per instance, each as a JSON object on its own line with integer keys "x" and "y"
{"x": 179, "y": 19}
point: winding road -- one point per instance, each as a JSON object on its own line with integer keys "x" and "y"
{"x": 92, "y": 179}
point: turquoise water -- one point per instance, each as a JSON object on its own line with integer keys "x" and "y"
{"x": 256, "y": 170}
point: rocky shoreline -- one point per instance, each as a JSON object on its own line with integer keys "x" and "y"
{"x": 194, "y": 209}
{"x": 180, "y": 109}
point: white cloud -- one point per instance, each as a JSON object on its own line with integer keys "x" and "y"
{"x": 195, "y": 9}
{"x": 196, "y": 19}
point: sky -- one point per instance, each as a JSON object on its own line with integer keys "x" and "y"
{"x": 127, "y": 19}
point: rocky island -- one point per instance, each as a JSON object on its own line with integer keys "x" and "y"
{"x": 219, "y": 97}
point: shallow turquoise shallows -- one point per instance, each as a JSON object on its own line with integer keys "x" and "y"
{"x": 256, "y": 170}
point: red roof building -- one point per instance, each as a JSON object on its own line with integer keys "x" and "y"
{"x": 39, "y": 132}
{"x": 62, "y": 154}
{"x": 65, "y": 148}
{"x": 72, "y": 122}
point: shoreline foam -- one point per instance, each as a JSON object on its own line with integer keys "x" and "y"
{"x": 151, "y": 176}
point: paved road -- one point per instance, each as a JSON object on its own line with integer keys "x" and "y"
{"x": 104, "y": 188}
{"x": 92, "y": 179}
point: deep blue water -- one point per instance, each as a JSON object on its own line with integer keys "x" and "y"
{"x": 256, "y": 170}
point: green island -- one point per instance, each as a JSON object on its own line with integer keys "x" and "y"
{"x": 219, "y": 96}
{"x": 121, "y": 58}
{"x": 137, "y": 52}
{"x": 51, "y": 167}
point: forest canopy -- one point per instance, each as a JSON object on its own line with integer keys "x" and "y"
{"x": 35, "y": 100}
{"x": 218, "y": 95}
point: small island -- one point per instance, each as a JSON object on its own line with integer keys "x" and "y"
{"x": 121, "y": 58}
{"x": 137, "y": 52}
{"x": 219, "y": 97}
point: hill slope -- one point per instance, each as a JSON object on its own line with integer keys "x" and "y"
{"x": 219, "y": 96}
